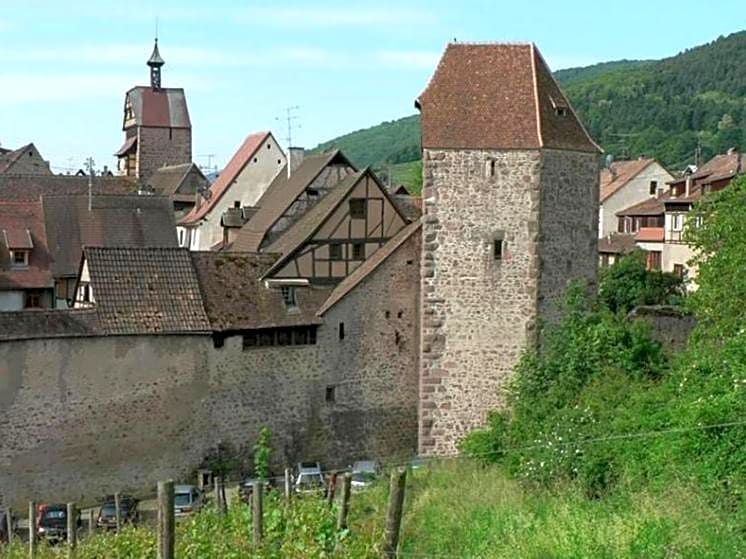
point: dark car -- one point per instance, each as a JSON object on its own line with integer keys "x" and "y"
{"x": 128, "y": 512}
{"x": 52, "y": 522}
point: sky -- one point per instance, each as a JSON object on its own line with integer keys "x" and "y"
{"x": 65, "y": 66}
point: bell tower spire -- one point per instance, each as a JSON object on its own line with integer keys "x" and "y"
{"x": 155, "y": 62}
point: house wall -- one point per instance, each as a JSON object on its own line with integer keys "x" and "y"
{"x": 11, "y": 300}
{"x": 478, "y": 314}
{"x": 157, "y": 147}
{"x": 251, "y": 183}
{"x": 635, "y": 191}
{"x": 85, "y": 417}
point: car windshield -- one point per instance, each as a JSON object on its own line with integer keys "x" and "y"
{"x": 182, "y": 499}
{"x": 53, "y": 515}
{"x": 110, "y": 509}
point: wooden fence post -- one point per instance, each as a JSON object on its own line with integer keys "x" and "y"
{"x": 9, "y": 521}
{"x": 72, "y": 529}
{"x": 288, "y": 485}
{"x": 331, "y": 489}
{"x": 219, "y": 494}
{"x": 31, "y": 529}
{"x": 117, "y": 512}
{"x": 223, "y": 499}
{"x": 257, "y": 493}
{"x": 394, "y": 513}
{"x": 344, "y": 507}
{"x": 166, "y": 520}
{"x": 91, "y": 522}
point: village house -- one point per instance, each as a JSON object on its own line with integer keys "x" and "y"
{"x": 231, "y": 198}
{"x": 25, "y": 160}
{"x": 25, "y": 276}
{"x": 624, "y": 184}
{"x": 185, "y": 184}
{"x": 657, "y": 225}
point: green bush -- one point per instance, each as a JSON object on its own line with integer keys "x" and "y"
{"x": 263, "y": 453}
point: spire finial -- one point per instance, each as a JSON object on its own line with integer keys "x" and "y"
{"x": 155, "y": 62}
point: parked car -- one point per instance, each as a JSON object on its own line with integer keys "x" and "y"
{"x": 128, "y": 512}
{"x": 308, "y": 477}
{"x": 364, "y": 472}
{"x": 51, "y": 522}
{"x": 187, "y": 500}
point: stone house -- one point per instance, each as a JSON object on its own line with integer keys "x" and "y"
{"x": 25, "y": 277}
{"x": 244, "y": 180}
{"x": 510, "y": 190}
{"x": 25, "y": 160}
{"x": 624, "y": 184}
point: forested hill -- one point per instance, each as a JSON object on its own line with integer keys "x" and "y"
{"x": 664, "y": 108}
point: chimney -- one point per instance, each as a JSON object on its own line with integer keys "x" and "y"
{"x": 688, "y": 186}
{"x": 295, "y": 158}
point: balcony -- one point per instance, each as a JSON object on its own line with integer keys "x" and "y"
{"x": 650, "y": 235}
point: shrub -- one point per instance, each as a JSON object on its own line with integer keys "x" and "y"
{"x": 263, "y": 453}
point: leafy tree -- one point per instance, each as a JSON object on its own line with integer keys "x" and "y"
{"x": 263, "y": 453}
{"x": 628, "y": 283}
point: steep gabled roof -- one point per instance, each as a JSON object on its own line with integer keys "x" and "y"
{"x": 619, "y": 173}
{"x": 359, "y": 274}
{"x": 112, "y": 221}
{"x": 498, "y": 96}
{"x": 145, "y": 290}
{"x": 236, "y": 298}
{"x": 22, "y": 227}
{"x": 280, "y": 195}
{"x": 8, "y": 158}
{"x": 720, "y": 167}
{"x": 169, "y": 179}
{"x": 162, "y": 108}
{"x": 651, "y": 206}
{"x": 229, "y": 175}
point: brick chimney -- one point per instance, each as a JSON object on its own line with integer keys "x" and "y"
{"x": 295, "y": 158}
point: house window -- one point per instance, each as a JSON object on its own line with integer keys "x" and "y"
{"x": 497, "y": 249}
{"x": 288, "y": 296}
{"x": 335, "y": 251}
{"x": 653, "y": 187}
{"x": 331, "y": 394}
{"x": 32, "y": 300}
{"x": 679, "y": 270}
{"x": 677, "y": 222}
{"x": 20, "y": 258}
{"x": 358, "y": 251}
{"x": 341, "y": 330}
{"x": 654, "y": 260}
{"x": 236, "y": 203}
{"x": 358, "y": 208}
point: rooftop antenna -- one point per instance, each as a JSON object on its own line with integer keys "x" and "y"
{"x": 290, "y": 117}
{"x": 89, "y": 163}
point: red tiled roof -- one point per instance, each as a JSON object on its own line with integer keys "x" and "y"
{"x": 651, "y": 206}
{"x": 616, "y": 243}
{"x": 166, "y": 108}
{"x": 498, "y": 96}
{"x": 237, "y": 163}
{"x": 19, "y": 221}
{"x": 650, "y": 234}
{"x": 620, "y": 173}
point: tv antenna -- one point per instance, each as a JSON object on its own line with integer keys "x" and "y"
{"x": 210, "y": 157}
{"x": 290, "y": 118}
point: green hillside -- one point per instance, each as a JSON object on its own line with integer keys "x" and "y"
{"x": 667, "y": 108}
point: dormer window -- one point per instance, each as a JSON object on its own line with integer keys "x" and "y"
{"x": 560, "y": 111}
{"x": 19, "y": 258}
{"x": 288, "y": 297}
{"x": 560, "y": 106}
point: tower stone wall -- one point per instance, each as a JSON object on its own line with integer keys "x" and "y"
{"x": 157, "y": 147}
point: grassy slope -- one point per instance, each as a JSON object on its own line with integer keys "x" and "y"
{"x": 661, "y": 107}
{"x": 462, "y": 511}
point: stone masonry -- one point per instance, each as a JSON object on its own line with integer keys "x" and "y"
{"x": 157, "y": 147}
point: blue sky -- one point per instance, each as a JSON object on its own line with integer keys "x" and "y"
{"x": 347, "y": 65}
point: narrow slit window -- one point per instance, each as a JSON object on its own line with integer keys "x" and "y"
{"x": 490, "y": 168}
{"x": 358, "y": 251}
{"x": 288, "y": 296}
{"x": 341, "y": 330}
{"x": 497, "y": 249}
{"x": 331, "y": 394}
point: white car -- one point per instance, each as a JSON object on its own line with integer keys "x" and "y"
{"x": 364, "y": 472}
{"x": 187, "y": 500}
{"x": 308, "y": 477}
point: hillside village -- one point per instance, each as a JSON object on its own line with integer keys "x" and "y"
{"x": 297, "y": 291}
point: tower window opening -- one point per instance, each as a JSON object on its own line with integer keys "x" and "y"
{"x": 490, "y": 168}
{"x": 497, "y": 249}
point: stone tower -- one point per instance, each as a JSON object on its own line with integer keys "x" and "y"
{"x": 157, "y": 129}
{"x": 510, "y": 217}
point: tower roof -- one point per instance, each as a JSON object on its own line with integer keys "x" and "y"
{"x": 498, "y": 96}
{"x": 155, "y": 59}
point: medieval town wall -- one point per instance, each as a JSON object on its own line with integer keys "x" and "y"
{"x": 84, "y": 417}
{"x": 478, "y": 312}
